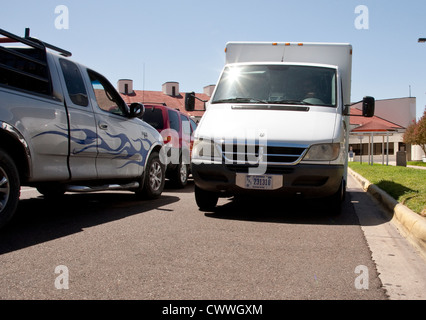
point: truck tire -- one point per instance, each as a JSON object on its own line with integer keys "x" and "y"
{"x": 153, "y": 183}
{"x": 206, "y": 200}
{"x": 9, "y": 188}
{"x": 335, "y": 201}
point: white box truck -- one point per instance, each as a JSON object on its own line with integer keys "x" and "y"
{"x": 277, "y": 123}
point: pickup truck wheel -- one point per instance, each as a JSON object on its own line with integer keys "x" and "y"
{"x": 9, "y": 188}
{"x": 153, "y": 183}
{"x": 206, "y": 200}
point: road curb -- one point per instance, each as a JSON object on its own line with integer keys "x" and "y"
{"x": 412, "y": 224}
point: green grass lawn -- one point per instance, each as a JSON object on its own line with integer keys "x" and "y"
{"x": 416, "y": 163}
{"x": 406, "y": 185}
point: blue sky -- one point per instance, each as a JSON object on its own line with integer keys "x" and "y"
{"x": 184, "y": 40}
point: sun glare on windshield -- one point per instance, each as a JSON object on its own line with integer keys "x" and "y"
{"x": 233, "y": 74}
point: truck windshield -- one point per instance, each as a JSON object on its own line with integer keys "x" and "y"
{"x": 277, "y": 84}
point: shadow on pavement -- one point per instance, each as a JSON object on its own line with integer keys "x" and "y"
{"x": 39, "y": 220}
{"x": 290, "y": 211}
{"x": 170, "y": 187}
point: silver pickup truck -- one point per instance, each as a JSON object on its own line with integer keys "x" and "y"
{"x": 63, "y": 127}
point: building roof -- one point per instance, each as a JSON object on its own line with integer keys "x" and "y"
{"x": 373, "y": 124}
{"x": 373, "y": 127}
{"x": 158, "y": 97}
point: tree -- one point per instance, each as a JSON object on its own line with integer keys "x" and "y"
{"x": 420, "y": 132}
{"x": 416, "y": 133}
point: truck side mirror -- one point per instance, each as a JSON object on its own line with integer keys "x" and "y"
{"x": 190, "y": 101}
{"x": 136, "y": 110}
{"x": 368, "y": 106}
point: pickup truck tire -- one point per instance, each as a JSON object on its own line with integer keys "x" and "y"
{"x": 9, "y": 188}
{"x": 206, "y": 200}
{"x": 154, "y": 178}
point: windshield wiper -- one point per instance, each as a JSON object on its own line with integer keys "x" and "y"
{"x": 289, "y": 101}
{"x": 241, "y": 100}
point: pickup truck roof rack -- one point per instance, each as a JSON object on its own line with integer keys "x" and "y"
{"x": 35, "y": 43}
{"x": 26, "y": 68}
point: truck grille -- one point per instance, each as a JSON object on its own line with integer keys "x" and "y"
{"x": 240, "y": 154}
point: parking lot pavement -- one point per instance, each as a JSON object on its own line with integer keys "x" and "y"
{"x": 117, "y": 247}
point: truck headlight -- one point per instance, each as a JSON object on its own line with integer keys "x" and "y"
{"x": 323, "y": 152}
{"x": 205, "y": 149}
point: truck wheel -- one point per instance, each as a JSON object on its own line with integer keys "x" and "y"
{"x": 9, "y": 188}
{"x": 335, "y": 201}
{"x": 206, "y": 200}
{"x": 153, "y": 183}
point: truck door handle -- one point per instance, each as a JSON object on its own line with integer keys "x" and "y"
{"x": 103, "y": 126}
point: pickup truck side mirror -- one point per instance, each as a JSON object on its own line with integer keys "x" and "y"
{"x": 368, "y": 104}
{"x": 190, "y": 101}
{"x": 136, "y": 110}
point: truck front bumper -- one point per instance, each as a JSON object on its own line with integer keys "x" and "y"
{"x": 308, "y": 180}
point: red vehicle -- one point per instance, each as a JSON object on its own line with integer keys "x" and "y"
{"x": 177, "y": 130}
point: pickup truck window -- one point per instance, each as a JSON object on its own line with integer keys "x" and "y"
{"x": 277, "y": 84}
{"x": 75, "y": 85}
{"x": 26, "y": 69}
{"x": 106, "y": 97}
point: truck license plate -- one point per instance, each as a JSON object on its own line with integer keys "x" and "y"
{"x": 260, "y": 182}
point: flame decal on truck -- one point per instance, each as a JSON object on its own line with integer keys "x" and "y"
{"x": 127, "y": 147}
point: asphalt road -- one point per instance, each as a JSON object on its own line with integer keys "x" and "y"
{"x": 110, "y": 245}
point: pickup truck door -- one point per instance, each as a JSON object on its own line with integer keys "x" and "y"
{"x": 82, "y": 125}
{"x": 123, "y": 142}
